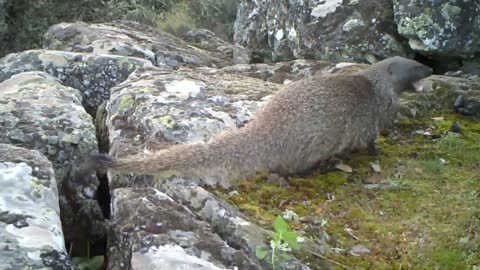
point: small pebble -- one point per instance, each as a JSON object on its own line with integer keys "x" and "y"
{"x": 459, "y": 102}
{"x": 376, "y": 167}
{"x": 457, "y": 73}
{"x": 371, "y": 186}
{"x": 454, "y": 134}
{"x": 455, "y": 128}
{"x": 359, "y": 249}
{"x": 442, "y": 161}
{"x": 344, "y": 168}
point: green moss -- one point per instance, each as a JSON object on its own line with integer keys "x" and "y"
{"x": 125, "y": 64}
{"x": 356, "y": 213}
{"x": 144, "y": 90}
{"x": 431, "y": 166}
{"x": 167, "y": 121}
{"x": 71, "y": 139}
{"x": 126, "y": 102}
{"x": 447, "y": 259}
{"x": 415, "y": 221}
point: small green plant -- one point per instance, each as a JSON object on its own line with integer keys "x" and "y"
{"x": 83, "y": 263}
{"x": 282, "y": 241}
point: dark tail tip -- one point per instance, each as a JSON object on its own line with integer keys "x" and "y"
{"x": 101, "y": 161}
{"x": 96, "y": 162}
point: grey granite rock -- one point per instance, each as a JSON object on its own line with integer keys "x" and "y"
{"x": 161, "y": 233}
{"x": 31, "y": 234}
{"x": 93, "y": 75}
{"x": 38, "y": 112}
{"x": 131, "y": 39}
{"x": 439, "y": 27}
{"x": 332, "y": 30}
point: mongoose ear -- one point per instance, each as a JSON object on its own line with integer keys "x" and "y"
{"x": 391, "y": 68}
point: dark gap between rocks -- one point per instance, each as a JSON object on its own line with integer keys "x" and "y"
{"x": 439, "y": 65}
{"x": 99, "y": 248}
{"x": 103, "y": 195}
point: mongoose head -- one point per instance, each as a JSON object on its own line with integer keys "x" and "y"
{"x": 403, "y": 73}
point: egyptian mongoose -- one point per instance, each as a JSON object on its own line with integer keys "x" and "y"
{"x": 303, "y": 123}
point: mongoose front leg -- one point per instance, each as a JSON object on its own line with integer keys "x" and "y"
{"x": 372, "y": 149}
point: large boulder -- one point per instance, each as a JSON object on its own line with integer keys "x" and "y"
{"x": 162, "y": 233}
{"x": 38, "y": 112}
{"x": 92, "y": 74}
{"x": 332, "y": 29}
{"x": 439, "y": 27}
{"x": 133, "y": 40}
{"x": 31, "y": 234}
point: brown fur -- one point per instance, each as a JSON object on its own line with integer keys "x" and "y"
{"x": 305, "y": 122}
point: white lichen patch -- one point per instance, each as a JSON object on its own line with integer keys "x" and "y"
{"x": 169, "y": 257}
{"x": 292, "y": 34}
{"x": 327, "y": 7}
{"x": 22, "y": 195}
{"x": 449, "y": 12}
{"x": 352, "y": 24}
{"x": 182, "y": 89}
{"x": 279, "y": 35}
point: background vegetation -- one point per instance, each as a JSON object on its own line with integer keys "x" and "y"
{"x": 23, "y": 22}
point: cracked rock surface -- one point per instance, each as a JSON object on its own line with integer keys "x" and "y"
{"x": 38, "y": 112}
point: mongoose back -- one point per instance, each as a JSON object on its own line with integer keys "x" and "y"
{"x": 303, "y": 123}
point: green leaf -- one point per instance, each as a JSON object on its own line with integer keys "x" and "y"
{"x": 280, "y": 225}
{"x": 83, "y": 263}
{"x": 260, "y": 253}
{"x": 286, "y": 256}
{"x": 291, "y": 239}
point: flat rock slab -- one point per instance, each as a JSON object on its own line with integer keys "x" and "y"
{"x": 38, "y": 112}
{"x": 163, "y": 234}
{"x": 287, "y": 71}
{"x": 30, "y": 228}
{"x": 131, "y": 39}
{"x": 92, "y": 74}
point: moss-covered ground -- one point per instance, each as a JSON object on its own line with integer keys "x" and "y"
{"x": 420, "y": 212}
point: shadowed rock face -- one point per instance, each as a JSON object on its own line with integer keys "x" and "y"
{"x": 30, "y": 229}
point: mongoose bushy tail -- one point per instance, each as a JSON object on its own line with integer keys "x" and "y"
{"x": 303, "y": 123}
